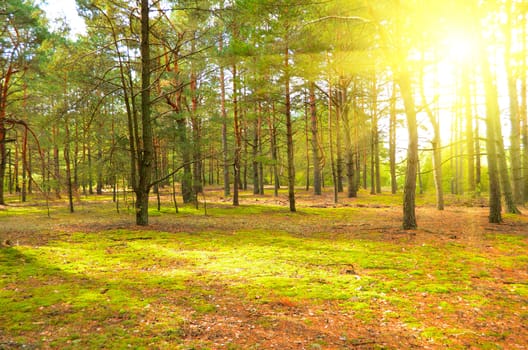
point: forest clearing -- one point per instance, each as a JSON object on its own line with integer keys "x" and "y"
{"x": 263, "y": 174}
{"x": 257, "y": 276}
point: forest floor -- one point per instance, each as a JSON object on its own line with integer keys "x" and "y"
{"x": 256, "y": 276}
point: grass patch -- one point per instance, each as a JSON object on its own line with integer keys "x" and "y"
{"x": 159, "y": 287}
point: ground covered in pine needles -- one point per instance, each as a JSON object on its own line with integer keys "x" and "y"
{"x": 342, "y": 276}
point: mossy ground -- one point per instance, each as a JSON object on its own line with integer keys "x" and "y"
{"x": 259, "y": 277}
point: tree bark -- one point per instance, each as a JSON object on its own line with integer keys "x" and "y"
{"x": 225, "y": 148}
{"x": 274, "y": 151}
{"x": 289, "y": 130}
{"x": 238, "y": 140}
{"x": 392, "y": 141}
{"x": 470, "y": 142}
{"x": 67, "y": 161}
{"x": 492, "y": 112}
{"x": 330, "y": 142}
{"x": 409, "y": 191}
{"x": 316, "y": 159}
{"x": 145, "y": 157}
{"x": 350, "y": 165}
{"x": 515, "y": 135}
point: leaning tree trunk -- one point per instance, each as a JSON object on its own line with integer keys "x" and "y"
{"x": 437, "y": 149}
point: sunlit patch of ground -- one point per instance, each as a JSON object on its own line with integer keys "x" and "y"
{"x": 331, "y": 276}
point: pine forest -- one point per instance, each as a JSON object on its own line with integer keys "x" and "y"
{"x": 259, "y": 174}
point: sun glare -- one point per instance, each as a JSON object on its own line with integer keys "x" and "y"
{"x": 460, "y": 48}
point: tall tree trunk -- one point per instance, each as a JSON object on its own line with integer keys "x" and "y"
{"x": 260, "y": 168}
{"x": 197, "y": 136}
{"x": 350, "y": 166}
{"x": 225, "y": 148}
{"x": 289, "y": 130}
{"x": 56, "y": 162}
{"x": 375, "y": 156}
{"x": 255, "y": 150}
{"x": 436, "y": 144}
{"x": 338, "y": 144}
{"x": 274, "y": 151}
{"x": 145, "y": 157}
{"x": 238, "y": 140}
{"x": 478, "y": 175}
{"x": 515, "y": 135}
{"x": 316, "y": 159}
{"x": 409, "y": 191}
{"x": 492, "y": 114}
{"x": 330, "y": 142}
{"x": 67, "y": 161}
{"x": 4, "y": 91}
{"x": 470, "y": 142}
{"x": 524, "y": 108}
{"x": 392, "y": 140}
{"x": 349, "y": 156}
{"x": 503, "y": 168}
{"x": 186, "y": 181}
{"x": 24, "y": 166}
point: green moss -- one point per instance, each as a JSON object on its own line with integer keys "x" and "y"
{"x": 147, "y": 280}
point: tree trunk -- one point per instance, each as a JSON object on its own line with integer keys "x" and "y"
{"x": 3, "y": 155}
{"x": 524, "y": 119}
{"x": 523, "y": 112}
{"x": 330, "y": 143}
{"x": 339, "y": 149}
{"x": 274, "y": 151}
{"x": 24, "y": 166}
{"x": 197, "y": 137}
{"x": 316, "y": 159}
{"x": 186, "y": 182}
{"x": 349, "y": 155}
{"x": 4, "y": 92}
{"x": 492, "y": 113}
{"x": 409, "y": 191}
{"x": 343, "y": 114}
{"x": 470, "y": 142}
{"x": 515, "y": 135}
{"x": 392, "y": 141}
{"x": 436, "y": 146}
{"x": 56, "y": 162}
{"x": 67, "y": 161}
{"x": 145, "y": 157}
{"x": 375, "y": 156}
{"x": 225, "y": 148}
{"x": 289, "y": 130}
{"x": 255, "y": 151}
{"x": 238, "y": 140}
